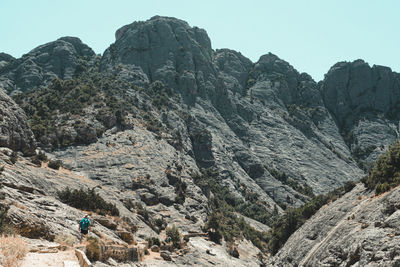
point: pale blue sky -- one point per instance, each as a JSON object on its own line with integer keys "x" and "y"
{"x": 311, "y": 35}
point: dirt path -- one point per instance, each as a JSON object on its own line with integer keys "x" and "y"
{"x": 51, "y": 259}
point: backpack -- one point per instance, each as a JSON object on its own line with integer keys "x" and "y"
{"x": 84, "y": 223}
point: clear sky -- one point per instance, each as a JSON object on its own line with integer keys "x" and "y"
{"x": 312, "y": 35}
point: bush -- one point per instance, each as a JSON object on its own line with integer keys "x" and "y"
{"x": 87, "y": 200}
{"x": 385, "y": 173}
{"x": 93, "y": 250}
{"x": 381, "y": 188}
{"x": 55, "y": 164}
{"x": 173, "y": 233}
{"x": 153, "y": 241}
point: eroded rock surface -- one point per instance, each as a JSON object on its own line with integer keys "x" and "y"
{"x": 59, "y": 59}
{"x": 364, "y": 101}
{"x": 359, "y": 229}
{"x": 15, "y": 132}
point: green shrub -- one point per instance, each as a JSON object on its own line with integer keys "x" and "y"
{"x": 385, "y": 173}
{"x": 153, "y": 241}
{"x": 173, "y": 233}
{"x": 55, "y": 164}
{"x": 93, "y": 250}
{"x": 381, "y": 188}
{"x": 87, "y": 200}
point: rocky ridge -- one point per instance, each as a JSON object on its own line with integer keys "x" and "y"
{"x": 62, "y": 58}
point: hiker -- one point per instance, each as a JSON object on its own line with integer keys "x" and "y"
{"x": 84, "y": 225}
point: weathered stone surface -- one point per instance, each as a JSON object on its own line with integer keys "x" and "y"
{"x": 15, "y": 132}
{"x": 166, "y": 255}
{"x": 364, "y": 102}
{"x": 58, "y": 59}
{"x": 106, "y": 222}
{"x": 346, "y": 232}
{"x": 155, "y": 248}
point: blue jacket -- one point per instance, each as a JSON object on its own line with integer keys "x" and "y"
{"x": 84, "y": 223}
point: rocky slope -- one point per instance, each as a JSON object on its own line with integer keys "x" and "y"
{"x": 144, "y": 122}
{"x": 359, "y": 229}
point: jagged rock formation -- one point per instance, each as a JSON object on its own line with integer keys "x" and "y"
{"x": 15, "y": 132}
{"x": 141, "y": 122}
{"x": 245, "y": 102}
{"x": 364, "y": 101}
{"x": 59, "y": 59}
{"x": 359, "y": 229}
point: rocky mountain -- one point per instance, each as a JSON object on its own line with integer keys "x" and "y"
{"x": 173, "y": 132}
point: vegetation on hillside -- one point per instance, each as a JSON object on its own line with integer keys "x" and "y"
{"x": 224, "y": 221}
{"x": 304, "y": 189}
{"x": 87, "y": 200}
{"x": 84, "y": 105}
{"x": 77, "y": 111}
{"x": 385, "y": 173}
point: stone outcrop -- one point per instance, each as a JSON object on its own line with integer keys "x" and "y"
{"x": 15, "y": 132}
{"x": 59, "y": 59}
{"x": 364, "y": 101}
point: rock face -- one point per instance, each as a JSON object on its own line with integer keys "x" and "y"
{"x": 15, "y": 131}
{"x": 169, "y": 50}
{"x": 359, "y": 229}
{"x": 239, "y": 110}
{"x": 58, "y": 59}
{"x": 364, "y": 101}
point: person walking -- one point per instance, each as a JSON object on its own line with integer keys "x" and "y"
{"x": 84, "y": 226}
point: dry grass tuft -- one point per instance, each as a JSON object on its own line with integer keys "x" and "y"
{"x": 13, "y": 250}
{"x": 65, "y": 239}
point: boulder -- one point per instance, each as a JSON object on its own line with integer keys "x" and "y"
{"x": 166, "y": 255}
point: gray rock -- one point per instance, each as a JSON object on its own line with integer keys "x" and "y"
{"x": 166, "y": 255}
{"x": 363, "y": 101}
{"x": 345, "y": 233}
{"x": 58, "y": 59}
{"x": 15, "y": 132}
{"x": 155, "y": 248}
